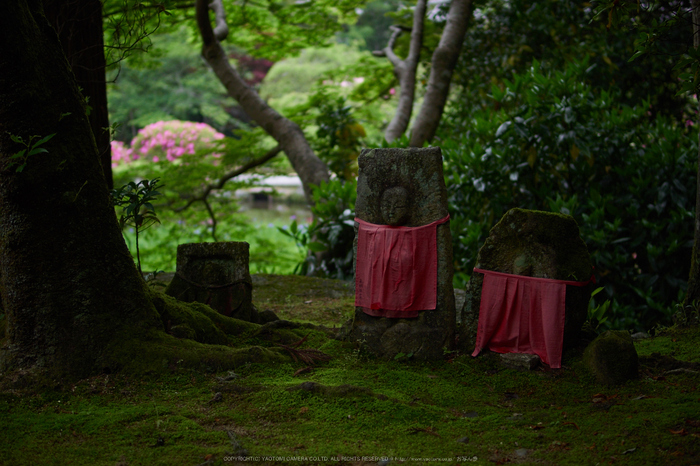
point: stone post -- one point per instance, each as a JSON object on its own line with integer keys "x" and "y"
{"x": 215, "y": 274}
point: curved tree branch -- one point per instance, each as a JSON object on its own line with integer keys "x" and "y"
{"x": 443, "y": 64}
{"x": 221, "y": 29}
{"x": 405, "y": 71}
{"x": 229, "y": 175}
{"x": 311, "y": 170}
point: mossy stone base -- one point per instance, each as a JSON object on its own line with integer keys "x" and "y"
{"x": 533, "y": 244}
{"x": 612, "y": 358}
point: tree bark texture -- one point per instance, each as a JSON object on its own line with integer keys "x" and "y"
{"x": 68, "y": 284}
{"x": 693, "y": 293}
{"x": 79, "y": 27}
{"x": 311, "y": 170}
{"x": 443, "y": 65}
{"x": 405, "y": 71}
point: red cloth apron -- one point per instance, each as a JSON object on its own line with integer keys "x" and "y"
{"x": 521, "y": 314}
{"x": 396, "y": 269}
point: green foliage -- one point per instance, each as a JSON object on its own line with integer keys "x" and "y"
{"x": 31, "y": 147}
{"x": 556, "y": 144}
{"x": 339, "y": 136}
{"x": 175, "y": 85}
{"x": 137, "y": 209}
{"x": 329, "y": 238}
{"x": 372, "y": 27}
{"x": 687, "y": 314}
{"x": 275, "y": 30}
{"x": 300, "y": 74}
{"x": 597, "y": 315}
{"x": 507, "y": 35}
{"x": 129, "y": 24}
{"x": 664, "y": 29}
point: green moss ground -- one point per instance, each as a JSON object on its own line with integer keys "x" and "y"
{"x": 461, "y": 410}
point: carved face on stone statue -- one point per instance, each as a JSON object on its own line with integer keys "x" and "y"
{"x": 394, "y": 206}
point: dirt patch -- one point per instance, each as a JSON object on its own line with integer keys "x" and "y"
{"x": 305, "y": 299}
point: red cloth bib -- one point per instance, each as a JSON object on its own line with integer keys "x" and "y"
{"x": 396, "y": 269}
{"x": 521, "y": 314}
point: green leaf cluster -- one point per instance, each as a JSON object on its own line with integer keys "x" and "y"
{"x": 329, "y": 238}
{"x": 135, "y": 200}
{"x": 558, "y": 144}
{"x": 31, "y": 147}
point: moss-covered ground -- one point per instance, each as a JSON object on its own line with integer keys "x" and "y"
{"x": 357, "y": 410}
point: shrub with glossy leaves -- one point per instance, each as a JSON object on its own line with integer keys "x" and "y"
{"x": 629, "y": 181}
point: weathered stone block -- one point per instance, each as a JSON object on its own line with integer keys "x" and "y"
{"x": 215, "y": 274}
{"x": 405, "y": 187}
{"x": 533, "y": 244}
{"x": 520, "y": 360}
{"x": 612, "y": 358}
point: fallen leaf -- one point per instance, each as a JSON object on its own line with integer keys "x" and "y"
{"x": 303, "y": 410}
{"x": 308, "y": 302}
{"x": 571, "y": 423}
{"x": 682, "y": 431}
{"x": 208, "y": 457}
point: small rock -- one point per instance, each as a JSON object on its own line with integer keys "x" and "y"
{"x": 218, "y": 397}
{"x": 520, "y": 360}
{"x": 463, "y": 440}
{"x": 612, "y": 358}
{"x": 228, "y": 377}
{"x": 521, "y": 452}
{"x": 640, "y": 336}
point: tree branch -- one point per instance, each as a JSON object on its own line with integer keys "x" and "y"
{"x": 388, "y": 51}
{"x": 227, "y": 176}
{"x": 443, "y": 65}
{"x": 290, "y": 137}
{"x": 405, "y": 72}
{"x": 221, "y": 29}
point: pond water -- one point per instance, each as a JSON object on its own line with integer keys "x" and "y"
{"x": 275, "y": 213}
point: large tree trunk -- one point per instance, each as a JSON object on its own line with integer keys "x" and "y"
{"x": 443, "y": 64}
{"x": 68, "y": 284}
{"x": 693, "y": 293}
{"x": 311, "y": 170}
{"x": 79, "y": 27}
{"x": 405, "y": 71}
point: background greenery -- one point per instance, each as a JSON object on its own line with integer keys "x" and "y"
{"x": 546, "y": 112}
